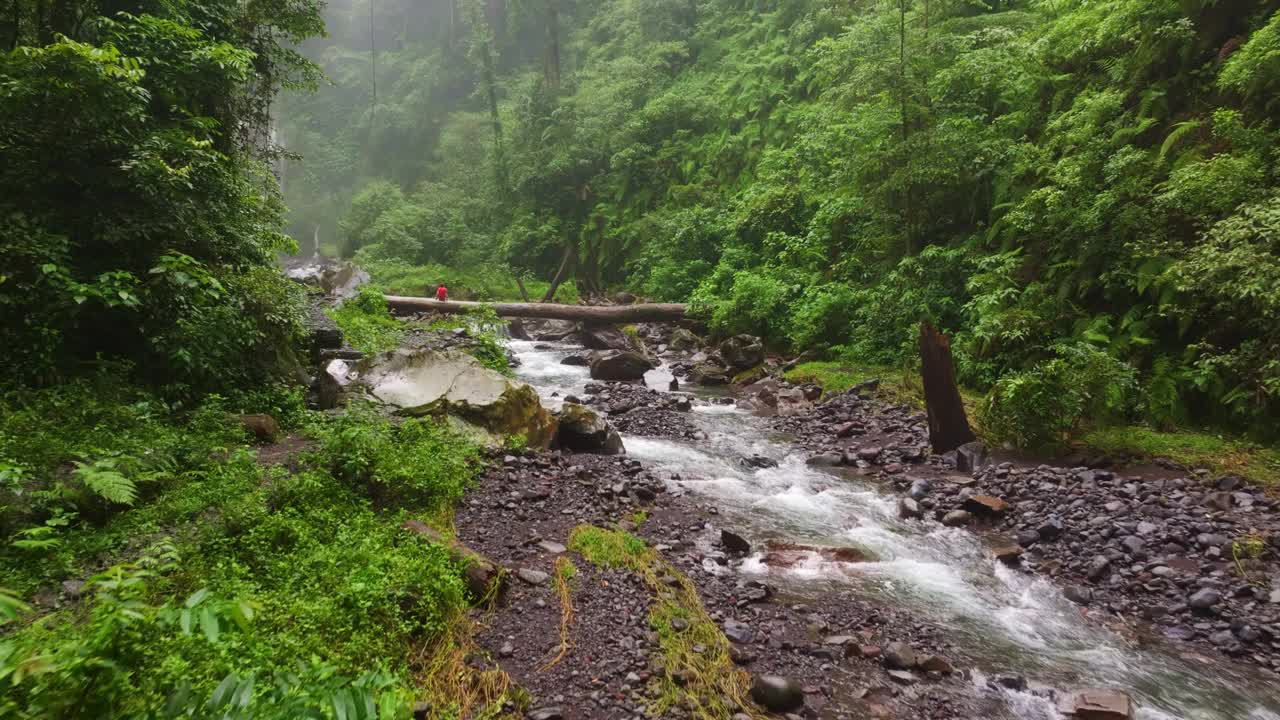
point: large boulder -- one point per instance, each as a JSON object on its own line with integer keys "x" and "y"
{"x": 582, "y": 429}
{"x": 455, "y": 384}
{"x": 554, "y": 330}
{"x": 742, "y": 352}
{"x": 684, "y": 340}
{"x": 708, "y": 373}
{"x": 606, "y": 338}
{"x": 620, "y": 366}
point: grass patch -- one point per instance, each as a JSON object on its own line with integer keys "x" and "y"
{"x": 896, "y": 384}
{"x": 1220, "y": 455}
{"x": 700, "y": 675}
{"x": 367, "y": 324}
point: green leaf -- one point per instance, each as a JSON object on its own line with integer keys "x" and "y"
{"x": 209, "y": 624}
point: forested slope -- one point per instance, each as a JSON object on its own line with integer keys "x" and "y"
{"x": 1073, "y": 190}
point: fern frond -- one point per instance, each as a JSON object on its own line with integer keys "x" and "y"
{"x": 103, "y": 480}
{"x": 1175, "y": 136}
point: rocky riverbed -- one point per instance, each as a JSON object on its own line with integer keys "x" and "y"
{"x": 854, "y": 573}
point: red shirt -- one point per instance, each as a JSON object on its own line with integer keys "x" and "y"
{"x": 442, "y": 293}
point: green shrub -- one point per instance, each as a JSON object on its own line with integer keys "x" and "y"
{"x": 1039, "y": 408}
{"x": 419, "y": 460}
{"x": 366, "y": 322}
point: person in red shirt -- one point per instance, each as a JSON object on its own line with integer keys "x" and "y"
{"x": 442, "y": 293}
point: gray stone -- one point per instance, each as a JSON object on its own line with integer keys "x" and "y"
{"x": 742, "y": 352}
{"x": 903, "y": 676}
{"x": 777, "y": 694}
{"x": 1204, "y": 599}
{"x": 620, "y": 366}
{"x": 1078, "y": 595}
{"x": 957, "y": 518}
{"x": 899, "y": 655}
{"x": 531, "y": 576}
{"x": 909, "y": 508}
{"x": 1098, "y": 567}
{"x": 734, "y": 542}
{"x": 584, "y": 430}
{"x": 738, "y": 632}
{"x": 1097, "y": 705}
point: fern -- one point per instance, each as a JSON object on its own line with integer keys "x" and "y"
{"x": 102, "y": 479}
{"x": 1179, "y": 131}
{"x": 10, "y": 606}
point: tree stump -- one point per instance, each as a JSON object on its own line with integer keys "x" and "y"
{"x": 948, "y": 425}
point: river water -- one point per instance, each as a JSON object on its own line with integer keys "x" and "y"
{"x": 1006, "y": 621}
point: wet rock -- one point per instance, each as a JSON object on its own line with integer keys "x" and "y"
{"x": 935, "y": 663}
{"x": 581, "y": 429}
{"x": 606, "y": 338}
{"x": 1016, "y": 683}
{"x": 848, "y": 429}
{"x": 1028, "y": 537}
{"x": 516, "y": 330}
{"x": 757, "y": 462}
{"x": 734, "y": 542}
{"x": 738, "y": 632}
{"x": 920, "y": 488}
{"x": 684, "y": 340}
{"x": 971, "y": 456}
{"x": 1219, "y": 501}
{"x": 577, "y": 360}
{"x": 742, "y": 352}
{"x": 546, "y": 713}
{"x": 899, "y": 655}
{"x": 533, "y": 577}
{"x": 903, "y": 676}
{"x": 1204, "y": 599}
{"x": 620, "y": 366}
{"x": 985, "y": 505}
{"x": 1009, "y": 553}
{"x": 706, "y": 373}
{"x": 555, "y": 330}
{"x": 1099, "y": 567}
{"x": 777, "y": 694}
{"x": 1078, "y": 595}
{"x": 451, "y": 382}
{"x": 957, "y": 518}
{"x": 825, "y": 460}
{"x": 1098, "y": 705}
{"x": 909, "y": 508}
{"x": 1051, "y": 529}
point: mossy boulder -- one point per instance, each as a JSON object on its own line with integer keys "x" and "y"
{"x": 454, "y": 384}
{"x": 620, "y": 366}
{"x": 582, "y": 429}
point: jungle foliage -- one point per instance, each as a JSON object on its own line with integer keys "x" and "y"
{"x": 137, "y": 219}
{"x": 1029, "y": 176}
{"x": 153, "y": 569}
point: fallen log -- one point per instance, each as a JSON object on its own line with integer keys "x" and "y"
{"x": 599, "y": 314}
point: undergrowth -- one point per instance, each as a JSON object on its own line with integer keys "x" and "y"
{"x": 221, "y": 588}
{"x": 366, "y": 323}
{"x": 700, "y": 675}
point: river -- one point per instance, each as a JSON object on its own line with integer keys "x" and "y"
{"x": 1008, "y": 621}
